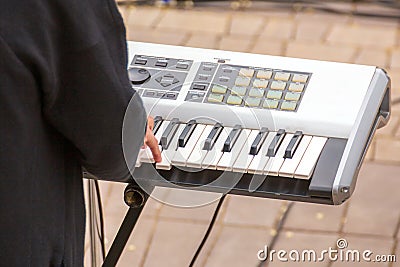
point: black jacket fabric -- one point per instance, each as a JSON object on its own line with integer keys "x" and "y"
{"x": 64, "y": 91}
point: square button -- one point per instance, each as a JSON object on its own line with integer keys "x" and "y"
{"x": 268, "y": 103}
{"x": 260, "y": 83}
{"x": 246, "y": 72}
{"x": 274, "y": 94}
{"x": 215, "y": 98}
{"x": 296, "y": 87}
{"x": 170, "y": 95}
{"x": 150, "y": 93}
{"x": 292, "y": 96}
{"x": 223, "y": 79}
{"x": 264, "y": 74}
{"x": 234, "y": 100}
{"x": 141, "y": 61}
{"x": 203, "y": 77}
{"x": 237, "y": 90}
{"x": 282, "y": 76}
{"x": 182, "y": 65}
{"x": 242, "y": 81}
{"x": 195, "y": 96}
{"x": 302, "y": 78}
{"x": 278, "y": 85}
{"x": 208, "y": 67}
{"x": 161, "y": 63}
{"x": 256, "y": 92}
{"x": 228, "y": 70}
{"x": 253, "y": 102}
{"x": 288, "y": 105}
{"x": 199, "y": 86}
{"x": 218, "y": 89}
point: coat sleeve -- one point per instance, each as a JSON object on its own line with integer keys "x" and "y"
{"x": 91, "y": 94}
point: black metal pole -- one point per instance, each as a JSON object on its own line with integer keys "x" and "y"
{"x": 135, "y": 198}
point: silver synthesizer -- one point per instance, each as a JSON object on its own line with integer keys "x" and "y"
{"x": 257, "y": 125}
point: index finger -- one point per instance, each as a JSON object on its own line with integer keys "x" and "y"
{"x": 150, "y": 122}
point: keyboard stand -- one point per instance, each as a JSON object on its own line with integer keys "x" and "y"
{"x": 135, "y": 198}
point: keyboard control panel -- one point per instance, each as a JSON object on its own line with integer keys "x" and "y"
{"x": 158, "y": 77}
{"x": 218, "y": 83}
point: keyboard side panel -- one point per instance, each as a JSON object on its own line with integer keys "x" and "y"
{"x": 369, "y": 118}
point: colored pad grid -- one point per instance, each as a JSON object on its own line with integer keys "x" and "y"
{"x": 254, "y": 98}
{"x": 259, "y": 88}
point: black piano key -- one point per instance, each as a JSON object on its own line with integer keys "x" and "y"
{"x": 293, "y": 144}
{"x": 157, "y": 123}
{"x": 258, "y": 141}
{"x": 169, "y": 133}
{"x": 276, "y": 143}
{"x": 213, "y": 136}
{"x": 231, "y": 139}
{"x": 186, "y": 133}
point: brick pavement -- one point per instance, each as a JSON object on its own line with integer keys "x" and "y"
{"x": 167, "y": 236}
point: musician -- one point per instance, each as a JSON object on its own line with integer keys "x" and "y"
{"x": 64, "y": 91}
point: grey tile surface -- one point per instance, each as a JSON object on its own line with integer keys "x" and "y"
{"x": 290, "y": 240}
{"x": 168, "y": 236}
{"x": 374, "y": 207}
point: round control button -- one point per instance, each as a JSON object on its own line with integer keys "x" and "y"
{"x": 138, "y": 75}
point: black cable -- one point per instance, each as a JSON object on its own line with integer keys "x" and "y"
{"x": 101, "y": 219}
{"x": 279, "y": 227}
{"x": 210, "y": 227}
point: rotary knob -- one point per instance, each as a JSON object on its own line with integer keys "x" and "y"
{"x": 138, "y": 75}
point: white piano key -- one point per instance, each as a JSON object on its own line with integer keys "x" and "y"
{"x": 140, "y": 154}
{"x": 245, "y": 158}
{"x": 228, "y": 158}
{"x": 260, "y": 160}
{"x": 310, "y": 158}
{"x": 210, "y": 161}
{"x": 290, "y": 165}
{"x": 274, "y": 163}
{"x": 198, "y": 154}
{"x": 182, "y": 153}
{"x": 167, "y": 154}
{"x": 147, "y": 156}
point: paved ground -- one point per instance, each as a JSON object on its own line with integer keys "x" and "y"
{"x": 167, "y": 236}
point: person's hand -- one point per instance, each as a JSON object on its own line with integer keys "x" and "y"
{"x": 151, "y": 141}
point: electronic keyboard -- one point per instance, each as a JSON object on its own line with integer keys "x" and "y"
{"x": 257, "y": 125}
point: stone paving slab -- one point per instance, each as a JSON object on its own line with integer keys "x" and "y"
{"x": 246, "y": 24}
{"x": 143, "y": 17}
{"x": 203, "y": 41}
{"x": 320, "y": 51}
{"x": 237, "y": 247}
{"x": 240, "y": 43}
{"x": 165, "y": 36}
{"x": 315, "y": 217}
{"x": 374, "y": 206}
{"x": 263, "y": 212}
{"x": 377, "y": 246}
{"x": 195, "y": 21}
{"x": 289, "y": 240}
{"x": 271, "y": 47}
{"x": 358, "y": 35}
{"x": 174, "y": 243}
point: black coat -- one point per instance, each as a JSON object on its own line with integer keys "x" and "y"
{"x": 64, "y": 91}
